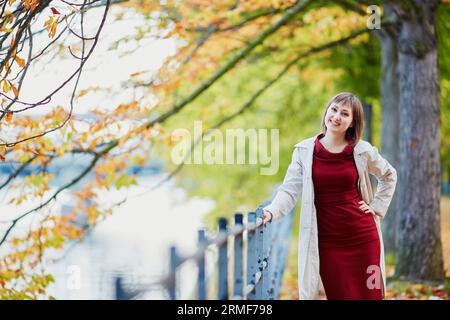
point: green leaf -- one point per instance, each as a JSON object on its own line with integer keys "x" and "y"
{"x": 125, "y": 181}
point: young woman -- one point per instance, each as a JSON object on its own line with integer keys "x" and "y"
{"x": 340, "y": 242}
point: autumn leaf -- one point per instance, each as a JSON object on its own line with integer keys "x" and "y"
{"x": 53, "y": 29}
{"x": 14, "y": 89}
{"x": 20, "y": 61}
{"x": 34, "y": 4}
{"x": 2, "y": 158}
{"x": 8, "y": 67}
{"x": 54, "y": 11}
{"x": 6, "y": 30}
{"x": 125, "y": 181}
{"x": 5, "y": 87}
{"x": 9, "y": 116}
{"x": 50, "y": 25}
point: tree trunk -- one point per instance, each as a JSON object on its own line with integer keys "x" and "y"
{"x": 390, "y": 121}
{"x": 419, "y": 242}
{"x": 368, "y": 122}
{"x": 367, "y": 107}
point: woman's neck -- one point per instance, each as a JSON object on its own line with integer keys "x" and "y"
{"x": 334, "y": 140}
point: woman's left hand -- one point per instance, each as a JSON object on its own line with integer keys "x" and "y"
{"x": 365, "y": 207}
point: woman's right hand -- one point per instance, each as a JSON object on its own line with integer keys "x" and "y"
{"x": 267, "y": 216}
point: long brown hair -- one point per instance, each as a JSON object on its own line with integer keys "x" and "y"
{"x": 353, "y": 133}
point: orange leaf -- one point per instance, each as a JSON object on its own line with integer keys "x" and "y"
{"x": 34, "y": 4}
{"x": 52, "y": 31}
{"x": 2, "y": 157}
{"x": 9, "y": 116}
{"x": 14, "y": 89}
{"x": 20, "y": 61}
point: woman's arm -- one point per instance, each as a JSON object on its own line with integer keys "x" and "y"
{"x": 387, "y": 180}
{"x": 288, "y": 193}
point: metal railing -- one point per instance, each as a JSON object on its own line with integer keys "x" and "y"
{"x": 267, "y": 247}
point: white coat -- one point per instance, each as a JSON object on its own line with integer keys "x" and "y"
{"x": 298, "y": 179}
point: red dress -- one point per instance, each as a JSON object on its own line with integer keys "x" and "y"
{"x": 349, "y": 246}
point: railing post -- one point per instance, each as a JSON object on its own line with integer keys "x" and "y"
{"x": 273, "y": 260}
{"x": 223, "y": 263}
{"x": 238, "y": 256}
{"x": 120, "y": 291}
{"x": 172, "y": 273}
{"x": 267, "y": 253}
{"x": 251, "y": 255}
{"x": 259, "y": 253}
{"x": 201, "y": 266}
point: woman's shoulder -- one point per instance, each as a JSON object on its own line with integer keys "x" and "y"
{"x": 306, "y": 142}
{"x": 364, "y": 146}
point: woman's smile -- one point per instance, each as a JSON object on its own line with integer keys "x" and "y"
{"x": 334, "y": 124}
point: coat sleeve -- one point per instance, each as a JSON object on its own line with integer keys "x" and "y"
{"x": 387, "y": 180}
{"x": 288, "y": 193}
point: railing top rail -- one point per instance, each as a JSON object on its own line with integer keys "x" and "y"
{"x": 221, "y": 237}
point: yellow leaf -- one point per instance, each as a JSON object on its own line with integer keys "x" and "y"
{"x": 52, "y": 27}
{"x": 6, "y": 30}
{"x": 14, "y": 89}
{"x": 5, "y": 87}
{"x": 48, "y": 22}
{"x": 20, "y": 61}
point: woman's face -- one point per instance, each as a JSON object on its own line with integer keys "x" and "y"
{"x": 338, "y": 118}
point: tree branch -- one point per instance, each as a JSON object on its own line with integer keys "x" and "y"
{"x": 18, "y": 171}
{"x": 243, "y": 22}
{"x": 351, "y": 6}
{"x": 290, "y": 13}
{"x": 47, "y": 99}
